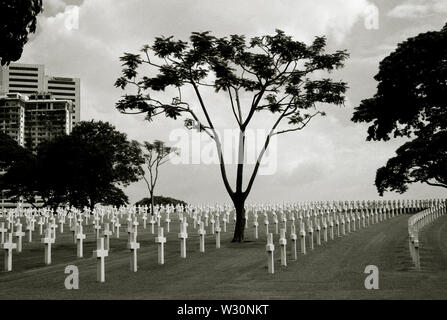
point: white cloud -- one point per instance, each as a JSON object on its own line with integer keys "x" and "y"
{"x": 52, "y": 7}
{"x": 418, "y": 9}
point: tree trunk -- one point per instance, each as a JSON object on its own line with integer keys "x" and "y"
{"x": 152, "y": 203}
{"x": 239, "y": 205}
{"x": 239, "y": 197}
{"x": 91, "y": 205}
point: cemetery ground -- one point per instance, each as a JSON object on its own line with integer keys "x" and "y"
{"x": 334, "y": 270}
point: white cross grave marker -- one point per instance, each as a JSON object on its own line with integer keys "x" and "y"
{"x": 331, "y": 226}
{"x": 255, "y": 225}
{"x": 152, "y": 223}
{"x": 283, "y": 244}
{"x": 107, "y": 233}
{"x": 293, "y": 238}
{"x": 212, "y": 221}
{"x": 167, "y": 222}
{"x": 311, "y": 237}
{"x": 217, "y": 232}
{"x": 48, "y": 240}
{"x": 100, "y": 253}
{"x": 275, "y": 221}
{"x": 8, "y": 246}
{"x": 183, "y": 235}
{"x": 61, "y": 224}
{"x": 19, "y": 234}
{"x": 270, "y": 248}
{"x": 79, "y": 241}
{"x": 202, "y": 233}
{"x": 318, "y": 232}
{"x": 266, "y": 223}
{"x": 3, "y": 230}
{"x": 303, "y": 238}
{"x": 161, "y": 240}
{"x": 97, "y": 227}
{"x": 144, "y": 221}
{"x": 117, "y": 226}
{"x": 30, "y": 229}
{"x": 133, "y": 246}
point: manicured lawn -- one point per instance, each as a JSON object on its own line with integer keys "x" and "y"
{"x": 334, "y": 270}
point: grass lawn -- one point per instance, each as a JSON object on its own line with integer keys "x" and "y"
{"x": 334, "y": 270}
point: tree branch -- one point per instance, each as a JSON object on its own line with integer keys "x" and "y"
{"x": 298, "y": 128}
{"x": 232, "y": 107}
{"x": 261, "y": 154}
{"x": 435, "y": 184}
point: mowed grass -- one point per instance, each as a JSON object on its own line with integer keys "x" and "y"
{"x": 334, "y": 270}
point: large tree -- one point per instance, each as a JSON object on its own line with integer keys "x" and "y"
{"x": 411, "y": 101}
{"x": 17, "y": 20}
{"x": 82, "y": 169}
{"x": 281, "y": 77}
{"x": 105, "y": 160}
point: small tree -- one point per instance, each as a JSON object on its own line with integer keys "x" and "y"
{"x": 411, "y": 101}
{"x": 155, "y": 155}
{"x": 17, "y": 20}
{"x": 277, "y": 73}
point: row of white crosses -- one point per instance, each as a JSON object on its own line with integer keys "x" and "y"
{"x": 202, "y": 216}
{"x": 9, "y": 245}
{"x": 133, "y": 245}
{"x": 344, "y": 218}
{"x": 417, "y": 222}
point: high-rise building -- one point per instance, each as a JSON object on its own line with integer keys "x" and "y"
{"x": 12, "y": 116}
{"x": 46, "y": 118}
{"x": 32, "y": 119}
{"x": 65, "y": 89}
{"x": 30, "y": 79}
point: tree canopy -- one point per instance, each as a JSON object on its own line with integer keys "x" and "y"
{"x": 277, "y": 74}
{"x": 17, "y": 20}
{"x": 423, "y": 159}
{"x": 82, "y": 169}
{"x": 411, "y": 101}
{"x": 10, "y": 151}
{"x": 20, "y": 166}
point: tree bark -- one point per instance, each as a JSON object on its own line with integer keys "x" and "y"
{"x": 239, "y": 205}
{"x": 239, "y": 196}
{"x": 152, "y": 203}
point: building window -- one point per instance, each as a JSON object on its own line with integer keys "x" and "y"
{"x": 23, "y": 68}
{"x": 63, "y": 94}
{"x": 22, "y": 75}
{"x": 15, "y": 85}
{"x": 61, "y": 82}
{"x": 61, "y": 88}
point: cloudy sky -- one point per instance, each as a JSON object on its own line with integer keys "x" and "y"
{"x": 329, "y": 160}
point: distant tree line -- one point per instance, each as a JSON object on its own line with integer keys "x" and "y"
{"x": 160, "y": 200}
